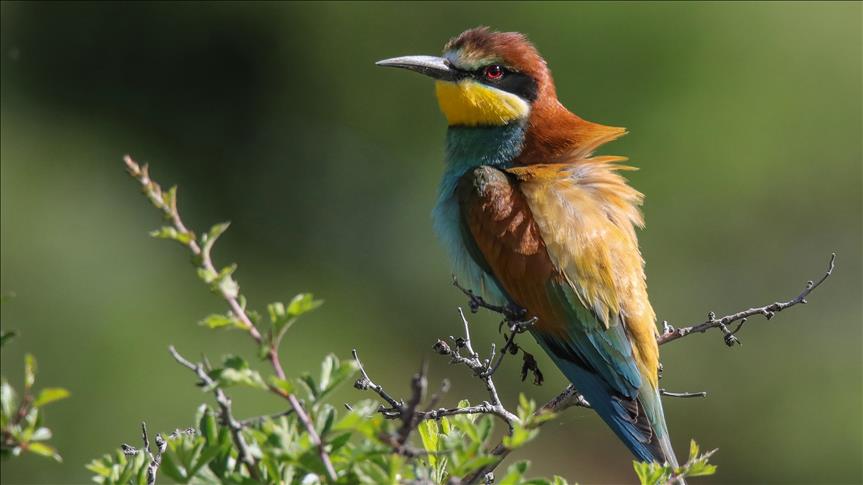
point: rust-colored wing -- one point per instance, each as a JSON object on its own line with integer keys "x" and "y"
{"x": 502, "y": 236}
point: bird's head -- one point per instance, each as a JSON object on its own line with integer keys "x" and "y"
{"x": 487, "y": 78}
{"x": 484, "y": 78}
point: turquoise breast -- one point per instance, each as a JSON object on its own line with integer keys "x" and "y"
{"x": 468, "y": 148}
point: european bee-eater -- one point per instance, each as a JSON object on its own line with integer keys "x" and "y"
{"x": 531, "y": 218}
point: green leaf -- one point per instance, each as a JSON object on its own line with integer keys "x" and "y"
{"x": 279, "y": 315}
{"x": 171, "y": 468}
{"x": 7, "y": 336}
{"x": 514, "y": 473}
{"x": 29, "y": 371}
{"x": 221, "y": 320}
{"x": 207, "y": 275}
{"x": 8, "y": 399}
{"x": 485, "y": 423}
{"x": 371, "y": 473}
{"x": 339, "y": 441}
{"x": 225, "y": 284}
{"x": 169, "y": 197}
{"x": 209, "y": 428}
{"x": 474, "y": 463}
{"x": 325, "y": 419}
{"x": 701, "y": 469}
{"x": 429, "y": 435}
{"x": 466, "y": 425}
{"x": 49, "y": 395}
{"x": 282, "y": 317}
{"x": 236, "y": 371}
{"x": 649, "y": 473}
{"x": 444, "y": 424}
{"x": 44, "y": 450}
{"x": 333, "y": 373}
{"x": 210, "y": 238}
{"x": 207, "y": 455}
{"x": 303, "y": 303}
{"x": 99, "y": 467}
{"x": 281, "y": 384}
{"x": 519, "y": 436}
{"x": 307, "y": 383}
{"x": 697, "y": 465}
{"x": 693, "y": 449}
{"x": 168, "y": 232}
{"x": 41, "y": 434}
{"x": 330, "y": 362}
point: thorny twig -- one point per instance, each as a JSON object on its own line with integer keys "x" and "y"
{"x": 167, "y": 203}
{"x": 407, "y": 411}
{"x": 461, "y": 351}
{"x": 481, "y": 368}
{"x": 227, "y": 415}
{"x": 671, "y": 334}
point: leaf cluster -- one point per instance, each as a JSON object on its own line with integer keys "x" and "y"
{"x": 696, "y": 466}
{"x": 22, "y": 426}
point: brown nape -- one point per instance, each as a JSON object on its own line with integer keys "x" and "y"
{"x": 554, "y": 134}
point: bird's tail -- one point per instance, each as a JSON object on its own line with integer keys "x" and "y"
{"x": 639, "y": 422}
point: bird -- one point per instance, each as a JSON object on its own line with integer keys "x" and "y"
{"x": 531, "y": 218}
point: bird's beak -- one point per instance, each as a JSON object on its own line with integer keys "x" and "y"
{"x": 434, "y": 67}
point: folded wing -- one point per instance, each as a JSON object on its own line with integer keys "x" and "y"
{"x": 560, "y": 240}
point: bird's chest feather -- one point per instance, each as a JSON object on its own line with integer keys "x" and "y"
{"x": 468, "y": 148}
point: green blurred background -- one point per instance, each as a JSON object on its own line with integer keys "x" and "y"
{"x": 744, "y": 118}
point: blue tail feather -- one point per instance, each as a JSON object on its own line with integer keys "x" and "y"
{"x": 639, "y": 423}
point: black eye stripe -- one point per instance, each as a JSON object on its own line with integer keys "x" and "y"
{"x": 513, "y": 82}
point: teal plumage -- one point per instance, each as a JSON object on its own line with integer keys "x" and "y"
{"x": 468, "y": 148}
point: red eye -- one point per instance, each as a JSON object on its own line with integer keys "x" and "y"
{"x": 493, "y": 73}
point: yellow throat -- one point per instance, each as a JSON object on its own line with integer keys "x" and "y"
{"x": 469, "y": 103}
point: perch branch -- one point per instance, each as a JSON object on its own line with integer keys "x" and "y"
{"x": 398, "y": 409}
{"x": 570, "y": 396}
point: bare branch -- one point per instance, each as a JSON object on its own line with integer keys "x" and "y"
{"x": 570, "y": 397}
{"x": 365, "y": 382}
{"x": 227, "y": 416}
{"x": 671, "y": 334}
{"x": 161, "y": 446}
{"x": 476, "y": 302}
{"x": 682, "y": 394}
{"x": 155, "y": 459}
{"x": 482, "y": 369}
{"x": 515, "y": 328}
